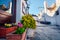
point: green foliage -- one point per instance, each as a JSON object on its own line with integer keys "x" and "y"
{"x": 20, "y": 30}
{"x": 28, "y": 21}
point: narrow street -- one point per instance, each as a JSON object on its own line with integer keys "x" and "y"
{"x": 46, "y": 32}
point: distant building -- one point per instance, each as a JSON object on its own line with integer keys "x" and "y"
{"x": 52, "y": 13}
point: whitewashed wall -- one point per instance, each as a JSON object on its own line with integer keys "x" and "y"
{"x": 19, "y": 7}
{"x": 51, "y": 19}
{"x": 18, "y": 11}
{"x": 58, "y": 17}
{"x": 55, "y": 20}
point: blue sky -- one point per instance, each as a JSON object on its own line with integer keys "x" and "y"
{"x": 6, "y": 2}
{"x": 35, "y": 5}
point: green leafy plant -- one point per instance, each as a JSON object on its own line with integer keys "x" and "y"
{"x": 20, "y": 29}
{"x": 28, "y": 21}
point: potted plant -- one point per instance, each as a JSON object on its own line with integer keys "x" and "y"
{"x": 19, "y": 34}
{"x": 29, "y": 23}
{"x": 7, "y": 29}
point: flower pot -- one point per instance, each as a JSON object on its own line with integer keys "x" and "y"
{"x": 4, "y": 31}
{"x": 12, "y": 36}
{"x": 30, "y": 32}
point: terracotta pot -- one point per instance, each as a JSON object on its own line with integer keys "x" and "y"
{"x": 4, "y": 31}
{"x": 16, "y": 36}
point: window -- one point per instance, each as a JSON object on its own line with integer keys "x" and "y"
{"x": 10, "y": 7}
{"x": 57, "y": 12}
{"x": 5, "y": 5}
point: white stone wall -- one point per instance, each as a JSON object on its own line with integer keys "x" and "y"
{"x": 18, "y": 11}
{"x": 58, "y": 2}
{"x": 58, "y": 17}
{"x": 51, "y": 19}
{"x": 54, "y": 20}
{"x": 19, "y": 8}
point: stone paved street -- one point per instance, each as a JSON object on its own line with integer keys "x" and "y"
{"x": 47, "y": 32}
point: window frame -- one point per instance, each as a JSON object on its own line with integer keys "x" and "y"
{"x": 13, "y": 18}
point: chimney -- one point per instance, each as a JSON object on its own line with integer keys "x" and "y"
{"x": 45, "y": 6}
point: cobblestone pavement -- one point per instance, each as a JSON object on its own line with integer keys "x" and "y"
{"x": 46, "y": 32}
